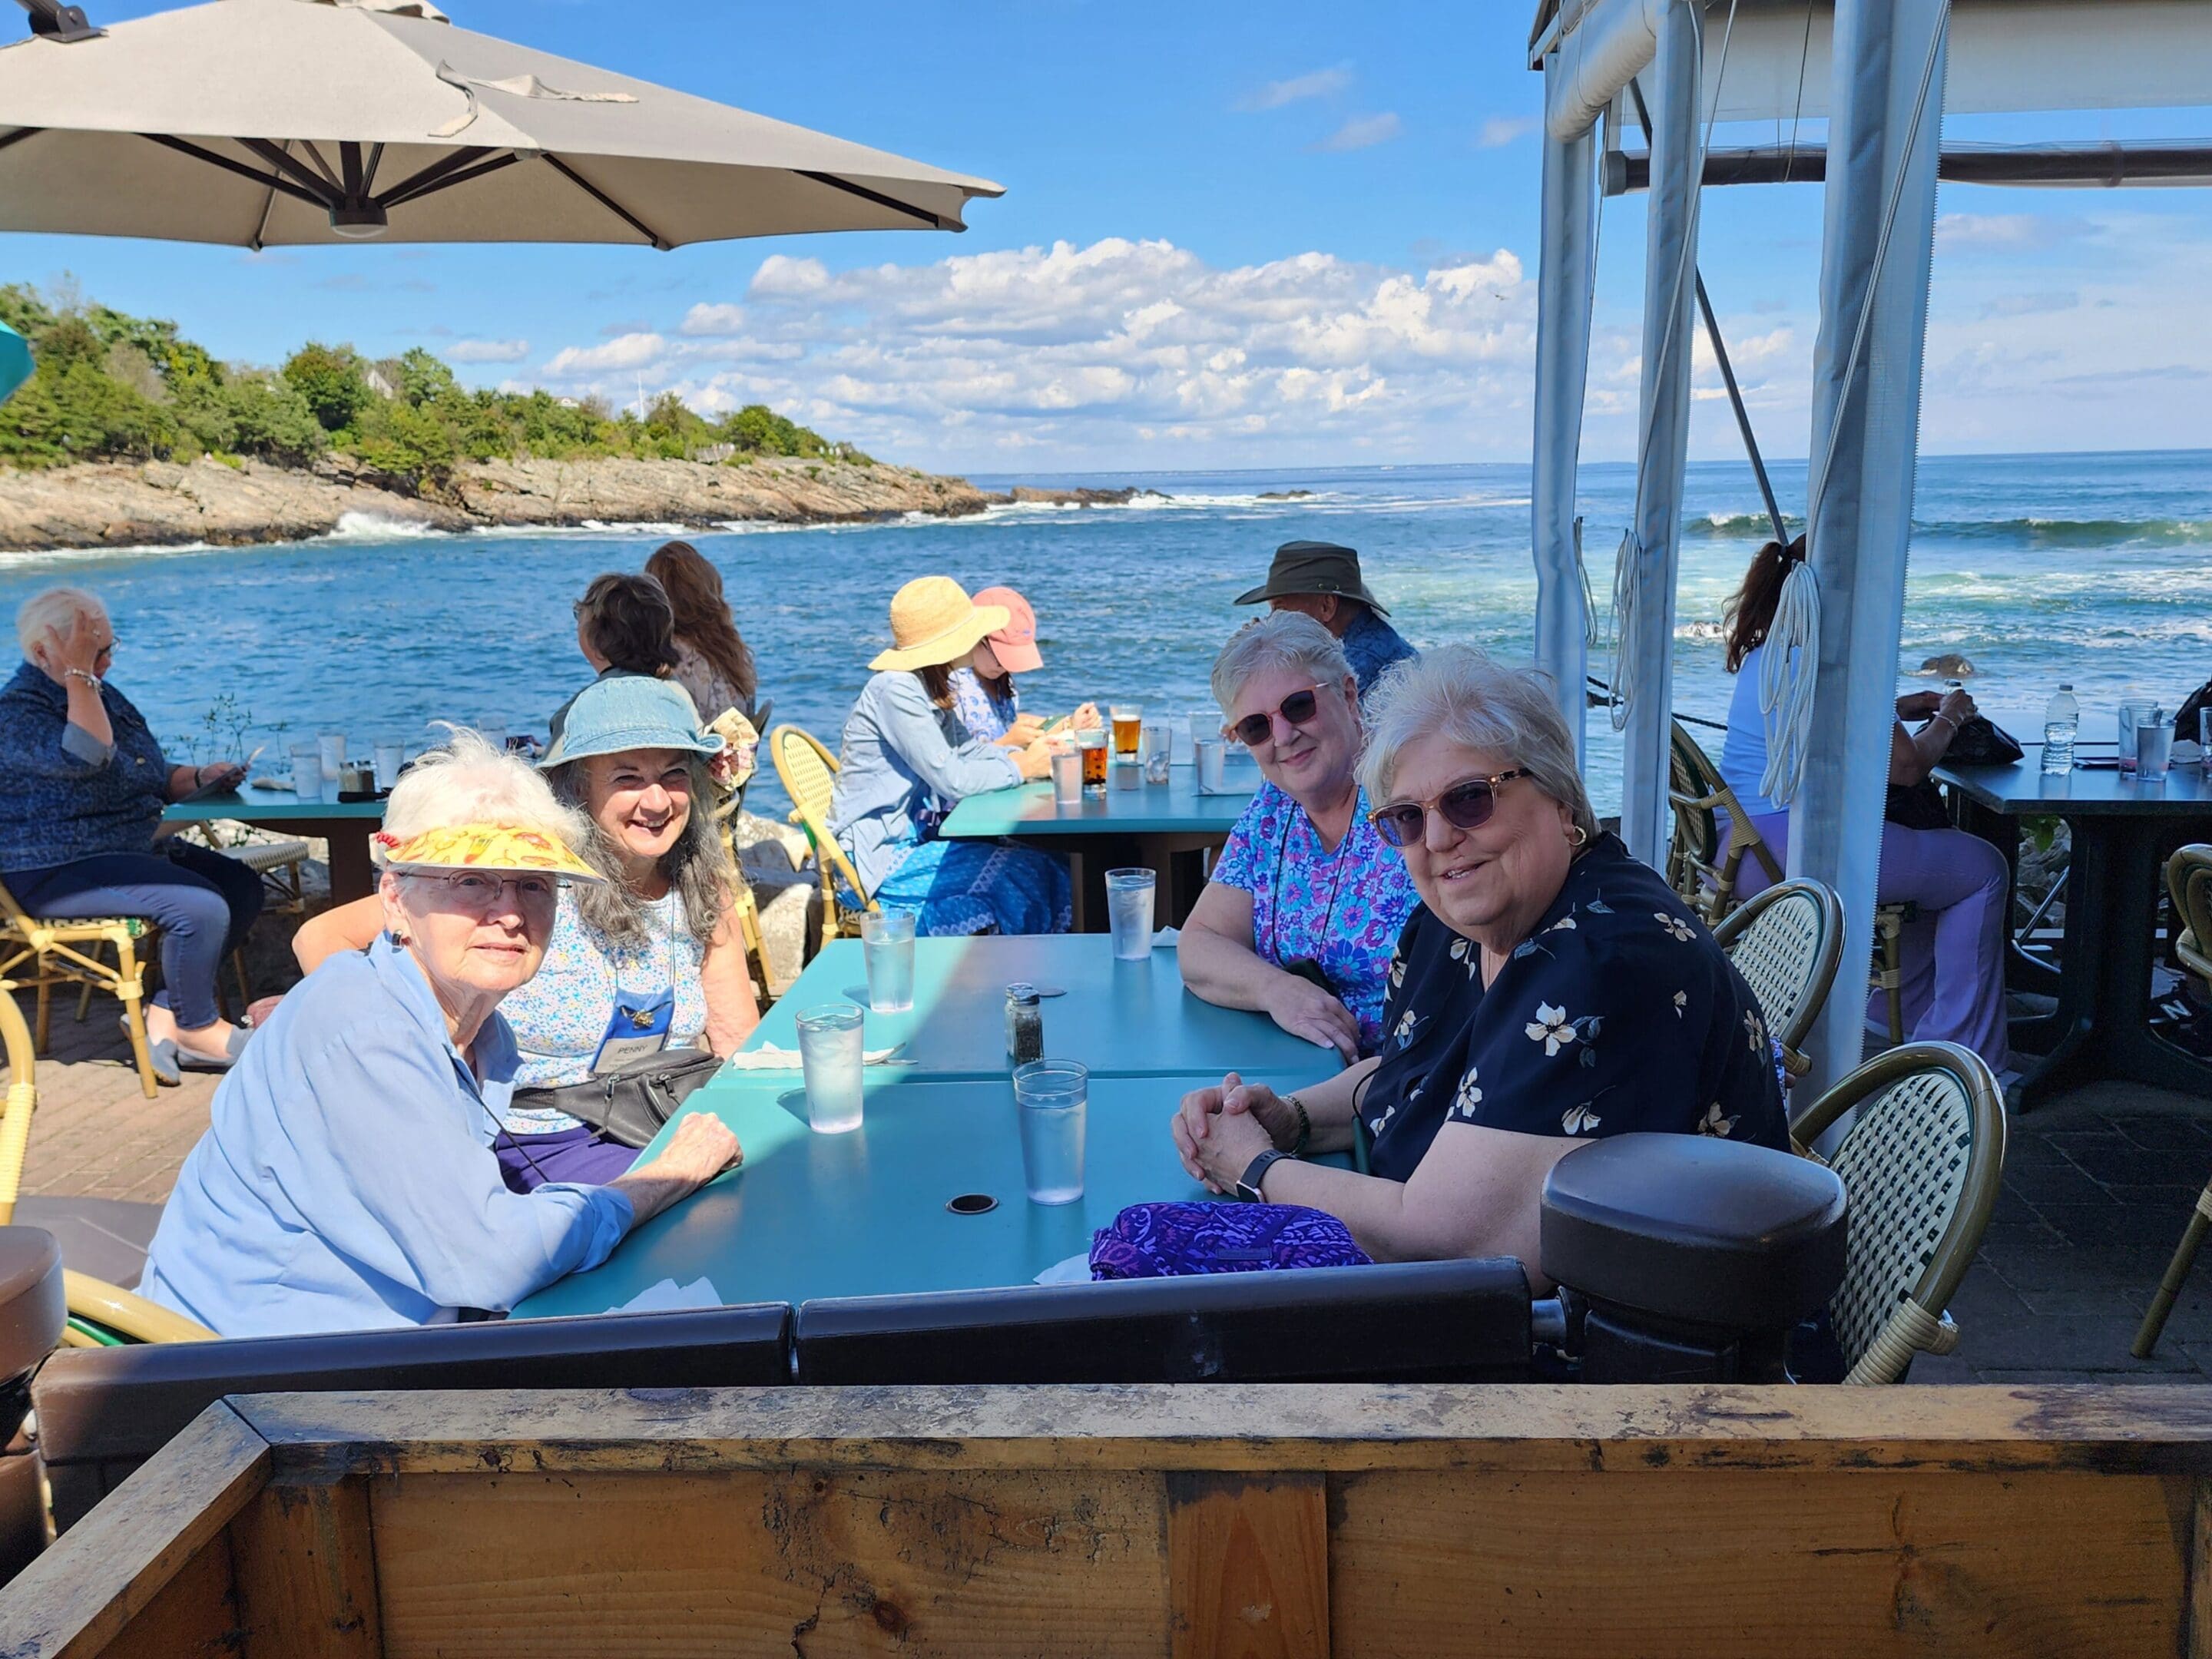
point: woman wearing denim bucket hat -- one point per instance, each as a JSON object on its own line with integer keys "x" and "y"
{"x": 648, "y": 959}
{"x": 908, "y": 761}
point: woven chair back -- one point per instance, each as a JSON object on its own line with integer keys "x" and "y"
{"x": 2188, "y": 881}
{"x": 1786, "y": 943}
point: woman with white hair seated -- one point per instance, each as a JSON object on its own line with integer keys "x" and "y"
{"x": 1552, "y": 989}
{"x": 87, "y": 784}
{"x": 1305, "y": 902}
{"x": 347, "y": 1180}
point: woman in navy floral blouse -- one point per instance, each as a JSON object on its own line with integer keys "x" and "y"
{"x": 1551, "y": 989}
{"x": 1305, "y": 901}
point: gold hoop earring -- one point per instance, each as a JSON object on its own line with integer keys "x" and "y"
{"x": 1578, "y": 838}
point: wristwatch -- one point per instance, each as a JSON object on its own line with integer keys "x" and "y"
{"x": 1247, "y": 1184}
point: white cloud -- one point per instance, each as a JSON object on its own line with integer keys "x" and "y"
{"x": 2013, "y": 232}
{"x": 624, "y": 351}
{"x": 714, "y": 319}
{"x": 1501, "y": 130}
{"x": 487, "y": 351}
{"x": 1363, "y": 131}
{"x": 1319, "y": 84}
{"x": 781, "y": 277}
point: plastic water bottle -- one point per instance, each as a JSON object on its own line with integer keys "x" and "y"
{"x": 2062, "y": 719}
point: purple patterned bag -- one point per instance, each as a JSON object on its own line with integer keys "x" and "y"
{"x": 1163, "y": 1240}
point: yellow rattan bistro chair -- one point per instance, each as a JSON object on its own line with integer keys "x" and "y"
{"x": 1920, "y": 1167}
{"x": 42, "y": 952}
{"x": 1700, "y": 867}
{"x": 810, "y": 777}
{"x": 2189, "y": 883}
{"x": 1786, "y": 942}
{"x": 100, "y": 1315}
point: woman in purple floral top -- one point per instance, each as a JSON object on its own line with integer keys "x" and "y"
{"x": 1306, "y": 903}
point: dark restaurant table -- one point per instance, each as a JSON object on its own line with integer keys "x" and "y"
{"x": 2122, "y": 832}
{"x": 346, "y": 825}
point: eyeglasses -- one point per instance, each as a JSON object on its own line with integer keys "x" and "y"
{"x": 1465, "y": 806}
{"x": 480, "y": 893}
{"x": 1296, "y": 709}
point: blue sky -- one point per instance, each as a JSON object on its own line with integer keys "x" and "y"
{"x": 1233, "y": 236}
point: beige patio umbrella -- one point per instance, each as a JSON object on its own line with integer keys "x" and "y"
{"x": 263, "y": 123}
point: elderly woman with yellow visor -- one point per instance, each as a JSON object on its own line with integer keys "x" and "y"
{"x": 347, "y": 1178}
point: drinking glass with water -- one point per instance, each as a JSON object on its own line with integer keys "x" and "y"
{"x": 887, "y": 942}
{"x": 829, "y": 1060}
{"x": 1129, "y": 912}
{"x": 1052, "y": 1097}
{"x": 307, "y": 771}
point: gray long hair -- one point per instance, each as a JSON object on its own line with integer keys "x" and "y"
{"x": 1285, "y": 639}
{"x": 1463, "y": 696}
{"x": 697, "y": 868}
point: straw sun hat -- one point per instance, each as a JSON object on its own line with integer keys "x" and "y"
{"x": 934, "y": 621}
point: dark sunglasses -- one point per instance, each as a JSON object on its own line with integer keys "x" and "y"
{"x": 1296, "y": 709}
{"x": 1464, "y": 806}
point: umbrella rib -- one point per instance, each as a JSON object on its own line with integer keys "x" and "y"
{"x": 309, "y": 179}
{"x": 400, "y": 198}
{"x": 608, "y": 202}
{"x": 18, "y": 135}
{"x": 876, "y": 197}
{"x": 419, "y": 183}
{"x": 273, "y": 181}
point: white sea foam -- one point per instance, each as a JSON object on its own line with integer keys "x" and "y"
{"x": 379, "y": 527}
{"x": 33, "y": 558}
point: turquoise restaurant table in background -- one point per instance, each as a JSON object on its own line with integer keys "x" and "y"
{"x": 346, "y": 825}
{"x": 864, "y": 1214}
{"x": 1167, "y": 828}
{"x": 1118, "y": 1019}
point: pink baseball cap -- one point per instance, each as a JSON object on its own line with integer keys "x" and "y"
{"x": 1014, "y": 645}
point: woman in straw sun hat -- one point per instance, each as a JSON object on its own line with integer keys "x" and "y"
{"x": 347, "y": 1178}
{"x": 908, "y": 761}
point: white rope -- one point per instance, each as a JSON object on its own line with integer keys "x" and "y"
{"x": 1788, "y": 678}
{"x": 1625, "y": 589}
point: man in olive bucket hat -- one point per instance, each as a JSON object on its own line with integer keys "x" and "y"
{"x": 1321, "y": 580}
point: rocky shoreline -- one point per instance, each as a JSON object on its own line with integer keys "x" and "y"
{"x": 162, "y": 504}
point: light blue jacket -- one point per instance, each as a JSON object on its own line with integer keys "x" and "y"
{"x": 905, "y": 765}
{"x": 347, "y": 1181}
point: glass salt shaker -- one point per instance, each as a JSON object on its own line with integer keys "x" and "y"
{"x": 1024, "y": 1024}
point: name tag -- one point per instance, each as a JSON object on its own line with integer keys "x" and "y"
{"x": 633, "y": 1032}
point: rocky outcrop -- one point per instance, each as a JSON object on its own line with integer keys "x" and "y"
{"x": 156, "y": 503}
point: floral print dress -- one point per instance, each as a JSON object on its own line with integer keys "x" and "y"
{"x": 1618, "y": 1012}
{"x": 1342, "y": 908}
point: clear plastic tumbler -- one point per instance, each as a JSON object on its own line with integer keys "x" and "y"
{"x": 389, "y": 755}
{"x": 2154, "y": 746}
{"x": 1053, "y": 1097}
{"x": 829, "y": 1058}
{"x": 1204, "y": 723}
{"x": 1156, "y": 748}
{"x": 1067, "y": 776}
{"x": 332, "y": 751}
{"x": 307, "y": 771}
{"x": 1129, "y": 912}
{"x": 887, "y": 943}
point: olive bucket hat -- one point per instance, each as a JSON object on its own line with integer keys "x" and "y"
{"x": 1313, "y": 568}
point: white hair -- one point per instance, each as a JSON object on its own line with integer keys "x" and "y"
{"x": 1283, "y": 639}
{"x": 469, "y": 781}
{"x": 57, "y": 608}
{"x": 1463, "y": 696}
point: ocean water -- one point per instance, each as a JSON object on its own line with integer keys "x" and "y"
{"x": 2092, "y": 568}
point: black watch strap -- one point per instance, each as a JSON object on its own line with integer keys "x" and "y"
{"x": 1247, "y": 1184}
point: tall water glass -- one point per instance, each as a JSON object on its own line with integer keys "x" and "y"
{"x": 2131, "y": 714}
{"x": 307, "y": 771}
{"x": 1208, "y": 759}
{"x": 1129, "y": 912}
{"x": 2204, "y": 735}
{"x": 1204, "y": 723}
{"x": 887, "y": 942}
{"x": 1053, "y": 1097}
{"x": 332, "y": 752}
{"x": 494, "y": 732}
{"x": 2154, "y": 747}
{"x": 829, "y": 1059}
{"x": 1067, "y": 776}
{"x": 1155, "y": 747}
{"x": 389, "y": 755}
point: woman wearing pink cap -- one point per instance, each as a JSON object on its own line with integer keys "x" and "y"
{"x": 983, "y": 695}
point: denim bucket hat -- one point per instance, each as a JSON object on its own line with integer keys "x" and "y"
{"x": 629, "y": 711}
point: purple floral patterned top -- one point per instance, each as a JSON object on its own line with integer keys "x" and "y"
{"x": 1342, "y": 908}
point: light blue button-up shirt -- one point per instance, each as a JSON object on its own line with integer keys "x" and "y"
{"x": 346, "y": 1180}
{"x": 905, "y": 760}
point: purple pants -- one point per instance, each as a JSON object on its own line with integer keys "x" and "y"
{"x": 582, "y": 1155}
{"x": 1954, "y": 950}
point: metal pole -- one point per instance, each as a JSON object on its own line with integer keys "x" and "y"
{"x": 1669, "y": 292}
{"x": 1888, "y": 107}
{"x": 1567, "y": 248}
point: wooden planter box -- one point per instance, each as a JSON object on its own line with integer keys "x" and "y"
{"x": 1152, "y": 1521}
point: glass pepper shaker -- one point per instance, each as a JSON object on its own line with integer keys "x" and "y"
{"x": 1024, "y": 1024}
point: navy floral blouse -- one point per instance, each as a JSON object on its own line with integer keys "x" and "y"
{"x": 1618, "y": 1012}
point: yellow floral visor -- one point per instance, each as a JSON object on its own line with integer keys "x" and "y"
{"x": 482, "y": 847}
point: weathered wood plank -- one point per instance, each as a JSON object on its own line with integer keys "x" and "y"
{"x": 193, "y": 1616}
{"x": 1729, "y": 1564}
{"x": 1248, "y": 1567}
{"x": 2199, "y": 1644}
{"x": 1259, "y": 1428}
{"x": 307, "y": 1573}
{"x": 75, "y": 1598}
{"x": 812, "y": 1562}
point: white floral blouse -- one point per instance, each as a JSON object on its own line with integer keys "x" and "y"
{"x": 1618, "y": 1012}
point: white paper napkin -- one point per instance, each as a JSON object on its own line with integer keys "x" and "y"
{"x": 770, "y": 1058}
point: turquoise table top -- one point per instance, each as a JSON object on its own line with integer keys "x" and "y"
{"x": 1120, "y": 1018}
{"x": 864, "y": 1214}
{"x": 269, "y": 806}
{"x": 1174, "y": 807}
